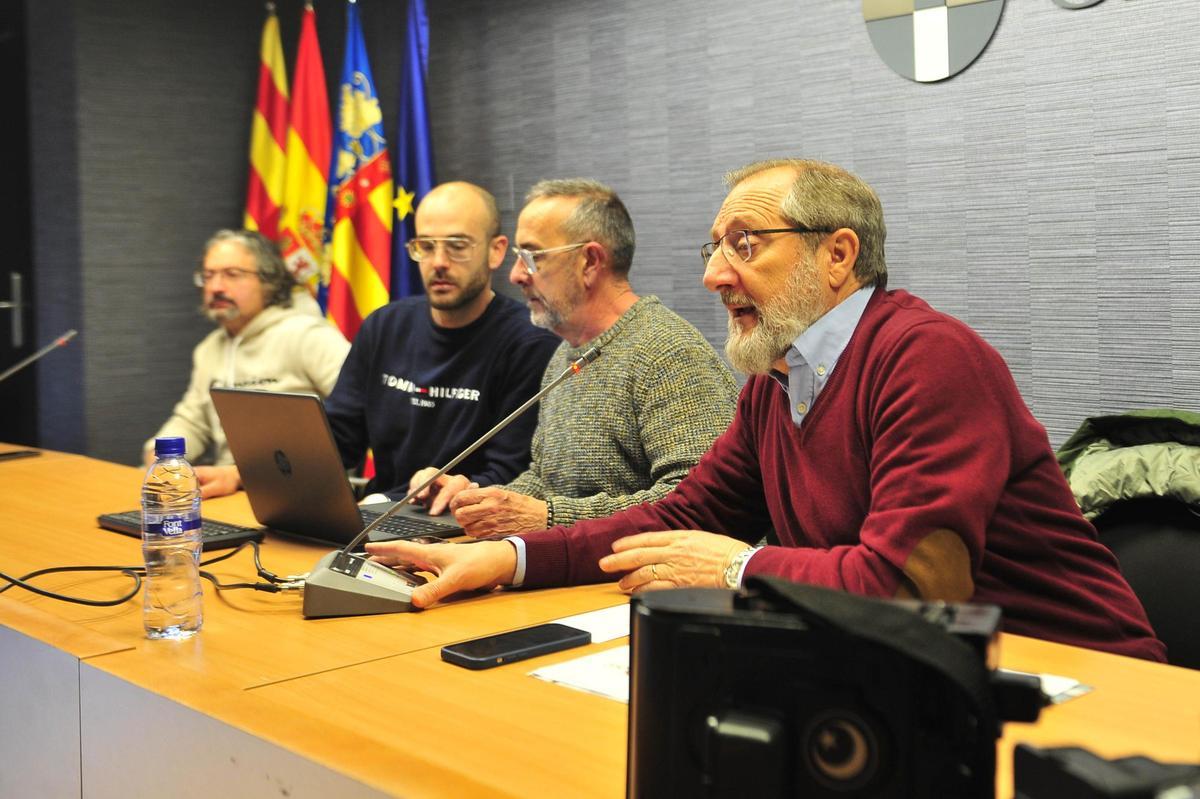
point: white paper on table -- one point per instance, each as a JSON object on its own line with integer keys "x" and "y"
{"x": 603, "y": 673}
{"x": 607, "y": 674}
{"x": 604, "y": 625}
{"x": 1058, "y": 689}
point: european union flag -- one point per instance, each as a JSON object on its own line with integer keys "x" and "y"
{"x": 414, "y": 149}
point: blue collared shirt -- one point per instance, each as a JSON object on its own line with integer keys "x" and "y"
{"x": 815, "y": 352}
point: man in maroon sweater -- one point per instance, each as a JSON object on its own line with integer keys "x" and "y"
{"x": 885, "y": 443}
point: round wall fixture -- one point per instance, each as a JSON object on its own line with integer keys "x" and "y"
{"x": 930, "y": 40}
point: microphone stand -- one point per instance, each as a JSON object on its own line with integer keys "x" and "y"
{"x": 346, "y": 584}
{"x": 61, "y": 341}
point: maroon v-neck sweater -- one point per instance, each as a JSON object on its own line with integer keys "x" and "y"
{"x": 919, "y": 428}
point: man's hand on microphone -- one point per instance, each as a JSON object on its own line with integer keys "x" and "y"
{"x": 218, "y": 481}
{"x": 437, "y": 495}
{"x": 494, "y": 511}
{"x": 457, "y": 567}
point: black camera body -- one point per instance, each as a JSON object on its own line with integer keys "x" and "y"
{"x": 1070, "y": 771}
{"x": 736, "y": 694}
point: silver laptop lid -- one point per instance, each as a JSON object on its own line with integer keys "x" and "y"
{"x": 291, "y": 468}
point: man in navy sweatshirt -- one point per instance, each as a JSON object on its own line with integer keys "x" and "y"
{"x": 428, "y": 375}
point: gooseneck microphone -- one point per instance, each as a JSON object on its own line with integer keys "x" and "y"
{"x": 61, "y": 341}
{"x": 575, "y": 366}
{"x": 345, "y": 584}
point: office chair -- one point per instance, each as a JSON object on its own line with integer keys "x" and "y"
{"x": 1157, "y": 542}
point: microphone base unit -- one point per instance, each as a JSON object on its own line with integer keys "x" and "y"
{"x": 342, "y": 584}
{"x": 345, "y": 584}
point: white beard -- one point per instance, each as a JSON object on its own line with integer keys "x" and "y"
{"x": 780, "y": 320}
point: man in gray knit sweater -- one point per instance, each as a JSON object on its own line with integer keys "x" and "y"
{"x": 627, "y": 429}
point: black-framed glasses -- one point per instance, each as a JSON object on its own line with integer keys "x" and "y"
{"x": 739, "y": 246}
{"x": 202, "y": 277}
{"x": 530, "y": 257}
{"x": 458, "y": 248}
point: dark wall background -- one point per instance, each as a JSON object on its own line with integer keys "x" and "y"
{"x": 1047, "y": 195}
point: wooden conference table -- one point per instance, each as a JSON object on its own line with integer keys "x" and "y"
{"x": 264, "y": 702}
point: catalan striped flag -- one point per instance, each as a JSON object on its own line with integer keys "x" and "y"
{"x": 268, "y": 135}
{"x": 309, "y": 142}
{"x": 414, "y": 148}
{"x": 360, "y": 193}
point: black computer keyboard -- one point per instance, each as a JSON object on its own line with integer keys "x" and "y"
{"x": 213, "y": 534}
{"x": 411, "y": 527}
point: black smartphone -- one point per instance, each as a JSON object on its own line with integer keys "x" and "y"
{"x": 494, "y": 650}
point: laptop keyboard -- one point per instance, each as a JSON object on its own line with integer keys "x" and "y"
{"x": 213, "y": 534}
{"x": 399, "y": 526}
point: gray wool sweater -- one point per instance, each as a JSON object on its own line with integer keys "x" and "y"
{"x": 627, "y": 428}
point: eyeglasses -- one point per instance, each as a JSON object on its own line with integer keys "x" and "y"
{"x": 458, "y": 248}
{"x": 202, "y": 277}
{"x": 740, "y": 245}
{"x": 530, "y": 257}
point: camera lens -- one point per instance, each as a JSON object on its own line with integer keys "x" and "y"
{"x": 840, "y": 750}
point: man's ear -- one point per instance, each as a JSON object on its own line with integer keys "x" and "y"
{"x": 595, "y": 261}
{"x": 841, "y": 248}
{"x": 497, "y": 251}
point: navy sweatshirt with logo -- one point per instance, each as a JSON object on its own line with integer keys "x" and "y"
{"x": 418, "y": 394}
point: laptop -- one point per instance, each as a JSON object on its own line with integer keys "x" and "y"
{"x": 293, "y": 474}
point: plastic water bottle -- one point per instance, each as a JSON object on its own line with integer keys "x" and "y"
{"x": 171, "y": 544}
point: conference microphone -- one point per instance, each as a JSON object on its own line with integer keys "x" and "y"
{"x": 61, "y": 341}
{"x": 346, "y": 584}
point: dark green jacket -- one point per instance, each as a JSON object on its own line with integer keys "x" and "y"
{"x": 1152, "y": 452}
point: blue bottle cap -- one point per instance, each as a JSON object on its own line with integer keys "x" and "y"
{"x": 169, "y": 445}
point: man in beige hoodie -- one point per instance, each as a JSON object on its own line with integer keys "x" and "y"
{"x": 261, "y": 342}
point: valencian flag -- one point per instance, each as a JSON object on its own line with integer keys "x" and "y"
{"x": 414, "y": 152}
{"x": 360, "y": 193}
{"x": 268, "y": 135}
{"x": 309, "y": 142}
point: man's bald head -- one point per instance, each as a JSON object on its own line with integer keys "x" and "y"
{"x": 476, "y": 205}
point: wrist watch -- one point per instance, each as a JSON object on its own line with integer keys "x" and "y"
{"x": 733, "y": 572}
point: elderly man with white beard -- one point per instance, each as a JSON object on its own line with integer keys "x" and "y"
{"x": 886, "y": 443}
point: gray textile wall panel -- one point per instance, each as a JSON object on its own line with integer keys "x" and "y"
{"x": 1049, "y": 195}
{"x": 165, "y": 103}
{"x": 55, "y": 213}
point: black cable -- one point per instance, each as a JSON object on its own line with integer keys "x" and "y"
{"x": 229, "y": 554}
{"x": 270, "y": 588}
{"x": 258, "y": 567}
{"x": 135, "y": 572}
{"x": 274, "y": 585}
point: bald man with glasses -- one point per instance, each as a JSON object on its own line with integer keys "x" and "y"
{"x": 428, "y": 375}
{"x": 629, "y": 428}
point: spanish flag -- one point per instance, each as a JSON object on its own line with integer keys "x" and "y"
{"x": 309, "y": 140}
{"x": 360, "y": 193}
{"x": 268, "y": 130}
